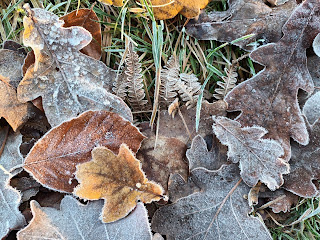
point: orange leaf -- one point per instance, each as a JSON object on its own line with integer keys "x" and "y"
{"x": 165, "y": 9}
{"x": 116, "y": 178}
{"x": 117, "y": 3}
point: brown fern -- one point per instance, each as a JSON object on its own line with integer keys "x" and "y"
{"x": 189, "y": 89}
{"x": 169, "y": 79}
{"x": 229, "y": 82}
{"x": 134, "y": 80}
{"x": 120, "y": 86}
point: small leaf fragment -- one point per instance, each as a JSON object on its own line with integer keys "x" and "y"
{"x": 116, "y": 178}
{"x": 259, "y": 159}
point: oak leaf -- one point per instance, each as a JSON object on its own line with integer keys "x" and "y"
{"x": 165, "y": 9}
{"x": 205, "y": 215}
{"x": 116, "y": 178}
{"x": 259, "y": 159}
{"x": 159, "y": 161}
{"x": 242, "y": 18}
{"x": 68, "y": 81}
{"x": 53, "y": 159}
{"x": 77, "y": 221}
{"x": 272, "y": 101}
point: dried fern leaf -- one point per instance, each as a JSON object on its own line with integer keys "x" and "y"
{"x": 229, "y": 82}
{"x": 134, "y": 79}
{"x": 169, "y": 79}
{"x": 120, "y": 85}
{"x": 189, "y": 88}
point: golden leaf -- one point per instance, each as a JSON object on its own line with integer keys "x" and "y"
{"x": 117, "y": 3}
{"x": 116, "y": 178}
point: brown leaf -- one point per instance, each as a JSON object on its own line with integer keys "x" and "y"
{"x": 116, "y": 178}
{"x": 269, "y": 99}
{"x": 68, "y": 81}
{"x": 165, "y": 9}
{"x": 15, "y": 112}
{"x": 305, "y": 166}
{"x": 53, "y": 159}
{"x": 174, "y": 127}
{"x": 259, "y": 159}
{"x": 168, "y": 157}
{"x": 242, "y": 18}
{"x": 87, "y": 19}
{"x": 14, "y": 46}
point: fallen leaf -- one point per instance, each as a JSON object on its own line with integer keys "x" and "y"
{"x": 316, "y": 45}
{"x": 27, "y": 187}
{"x": 269, "y": 99}
{"x": 282, "y": 201}
{"x": 259, "y": 159}
{"x": 199, "y": 156}
{"x": 116, "y": 3}
{"x": 28, "y": 62}
{"x": 77, "y": 221}
{"x": 175, "y": 128}
{"x": 168, "y": 157}
{"x": 116, "y": 178}
{"x": 209, "y": 214}
{"x": 87, "y": 19}
{"x": 304, "y": 166}
{"x": 241, "y": 19}
{"x": 68, "y": 81}
{"x": 14, "y": 46}
{"x": 52, "y": 160}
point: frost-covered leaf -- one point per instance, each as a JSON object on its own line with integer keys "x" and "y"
{"x": 175, "y": 128}
{"x": 199, "y": 156}
{"x": 259, "y": 159}
{"x": 15, "y": 112}
{"x": 27, "y": 186}
{"x": 316, "y": 45}
{"x": 76, "y": 221}
{"x": 116, "y": 178}
{"x": 280, "y": 200}
{"x": 195, "y": 216}
{"x": 87, "y": 19}
{"x": 305, "y": 166}
{"x": 53, "y": 159}
{"x": 269, "y": 99}
{"x": 242, "y": 18}
{"x": 68, "y": 81}
{"x": 10, "y": 216}
{"x": 167, "y": 157}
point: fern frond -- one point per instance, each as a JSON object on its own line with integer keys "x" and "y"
{"x": 134, "y": 80}
{"x": 189, "y": 88}
{"x": 229, "y": 82}
{"x": 169, "y": 79}
{"x": 120, "y": 86}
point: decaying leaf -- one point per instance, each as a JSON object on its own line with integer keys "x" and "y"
{"x": 87, "y": 19}
{"x": 205, "y": 215}
{"x": 15, "y": 112}
{"x": 116, "y": 178}
{"x": 77, "y": 221}
{"x": 165, "y": 9}
{"x": 282, "y": 201}
{"x": 175, "y": 128}
{"x": 199, "y": 156}
{"x": 259, "y": 159}
{"x": 14, "y": 46}
{"x": 242, "y": 18}
{"x": 53, "y": 159}
{"x": 305, "y": 166}
{"x": 269, "y": 99}
{"x": 68, "y": 81}
{"x": 167, "y": 157}
{"x": 10, "y": 216}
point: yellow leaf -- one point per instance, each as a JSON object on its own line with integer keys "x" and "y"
{"x": 116, "y": 3}
{"x": 116, "y": 178}
{"x": 165, "y": 9}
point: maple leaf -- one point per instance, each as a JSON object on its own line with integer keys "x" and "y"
{"x": 209, "y": 213}
{"x": 116, "y": 178}
{"x": 242, "y": 18}
{"x": 305, "y": 165}
{"x": 68, "y": 81}
{"x": 199, "y": 156}
{"x": 15, "y": 112}
{"x": 53, "y": 159}
{"x": 77, "y": 221}
{"x": 269, "y": 99}
{"x": 87, "y": 19}
{"x": 259, "y": 159}
{"x": 164, "y": 159}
